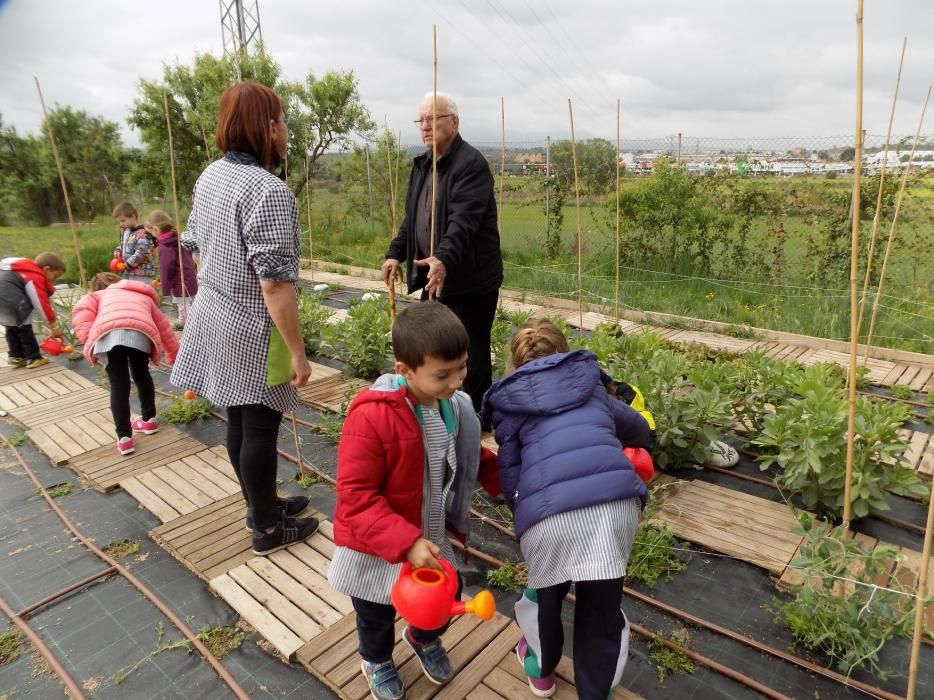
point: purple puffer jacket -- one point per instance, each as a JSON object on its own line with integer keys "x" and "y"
{"x": 169, "y": 277}
{"x": 560, "y": 436}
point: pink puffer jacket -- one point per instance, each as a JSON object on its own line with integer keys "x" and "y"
{"x": 128, "y": 304}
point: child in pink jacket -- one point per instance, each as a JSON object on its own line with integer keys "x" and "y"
{"x": 122, "y": 328}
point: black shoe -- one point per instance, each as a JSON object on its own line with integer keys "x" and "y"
{"x": 289, "y": 507}
{"x": 287, "y": 532}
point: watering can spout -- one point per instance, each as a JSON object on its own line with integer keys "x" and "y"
{"x": 426, "y": 598}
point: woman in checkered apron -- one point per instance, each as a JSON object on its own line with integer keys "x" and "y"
{"x": 244, "y": 227}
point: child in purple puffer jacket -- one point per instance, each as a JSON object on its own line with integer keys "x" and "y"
{"x": 576, "y": 500}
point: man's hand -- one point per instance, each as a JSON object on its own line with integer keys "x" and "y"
{"x": 390, "y": 270}
{"x": 423, "y": 554}
{"x": 301, "y": 370}
{"x": 436, "y": 274}
{"x": 55, "y": 332}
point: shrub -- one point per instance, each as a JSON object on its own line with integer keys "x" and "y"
{"x": 312, "y": 319}
{"x": 362, "y": 339}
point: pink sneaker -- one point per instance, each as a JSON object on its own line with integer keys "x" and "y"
{"x": 146, "y": 427}
{"x": 125, "y": 446}
{"x": 541, "y": 687}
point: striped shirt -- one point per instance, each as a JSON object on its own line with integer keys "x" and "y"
{"x": 125, "y": 337}
{"x": 586, "y": 544}
{"x": 369, "y": 577}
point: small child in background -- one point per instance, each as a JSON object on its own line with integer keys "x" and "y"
{"x": 122, "y": 328}
{"x": 176, "y": 276}
{"x": 576, "y": 500}
{"x": 136, "y": 248}
{"x": 25, "y": 288}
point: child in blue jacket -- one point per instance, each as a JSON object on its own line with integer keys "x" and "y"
{"x": 576, "y": 500}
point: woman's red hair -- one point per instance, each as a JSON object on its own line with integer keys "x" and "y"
{"x": 243, "y": 121}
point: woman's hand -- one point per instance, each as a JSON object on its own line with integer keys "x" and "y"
{"x": 301, "y": 370}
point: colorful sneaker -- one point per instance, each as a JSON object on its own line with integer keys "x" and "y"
{"x": 16, "y": 361}
{"x": 719, "y": 454}
{"x": 32, "y": 364}
{"x": 541, "y": 687}
{"x": 432, "y": 657}
{"x": 287, "y": 532}
{"x": 290, "y": 506}
{"x": 146, "y": 427}
{"x": 125, "y": 446}
{"x": 383, "y": 680}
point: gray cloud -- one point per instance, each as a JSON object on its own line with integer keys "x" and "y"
{"x": 714, "y": 68}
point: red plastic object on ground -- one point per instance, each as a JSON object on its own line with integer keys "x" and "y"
{"x": 425, "y": 598}
{"x": 52, "y": 346}
{"x": 642, "y": 461}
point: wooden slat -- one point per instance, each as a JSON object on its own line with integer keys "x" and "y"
{"x": 922, "y": 378}
{"x": 54, "y": 410}
{"x": 55, "y": 452}
{"x": 917, "y": 445}
{"x": 166, "y": 492}
{"x": 275, "y": 602}
{"x": 311, "y": 579}
{"x": 281, "y": 637}
{"x": 484, "y": 654}
{"x": 148, "y": 499}
{"x": 316, "y": 608}
{"x": 893, "y": 374}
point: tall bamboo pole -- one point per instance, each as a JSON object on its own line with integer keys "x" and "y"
{"x": 502, "y": 166}
{"x": 877, "y": 216}
{"x": 392, "y": 218}
{"x": 434, "y": 142}
{"x": 178, "y": 238}
{"x": 311, "y": 252}
{"x": 854, "y": 270}
{"x": 919, "y": 602}
{"x": 617, "y": 211}
{"x": 888, "y": 245}
{"x": 61, "y": 178}
{"x": 298, "y": 449}
{"x": 577, "y": 196}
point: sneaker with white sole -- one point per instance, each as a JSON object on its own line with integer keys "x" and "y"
{"x": 541, "y": 687}
{"x": 146, "y": 427}
{"x": 719, "y": 454}
{"x": 16, "y": 362}
{"x": 432, "y": 657}
{"x": 289, "y": 506}
{"x": 383, "y": 680}
{"x": 125, "y": 446}
{"x": 287, "y": 532}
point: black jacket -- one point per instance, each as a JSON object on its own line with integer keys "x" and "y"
{"x": 468, "y": 239}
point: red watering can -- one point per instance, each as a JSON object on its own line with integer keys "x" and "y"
{"x": 641, "y": 461}
{"x": 425, "y": 598}
{"x": 52, "y": 346}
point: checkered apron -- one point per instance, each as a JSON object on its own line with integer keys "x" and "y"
{"x": 244, "y": 225}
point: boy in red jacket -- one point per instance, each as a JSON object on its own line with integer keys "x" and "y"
{"x": 408, "y": 463}
{"x": 25, "y": 288}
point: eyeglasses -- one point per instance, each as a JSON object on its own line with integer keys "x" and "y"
{"x": 427, "y": 120}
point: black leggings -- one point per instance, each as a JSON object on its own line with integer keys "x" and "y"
{"x": 252, "y": 434}
{"x": 21, "y": 342}
{"x": 121, "y": 363}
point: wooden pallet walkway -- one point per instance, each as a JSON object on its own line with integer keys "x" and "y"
{"x": 286, "y": 596}
{"x": 331, "y": 393}
{"x": 67, "y": 438}
{"x": 184, "y": 485}
{"x": 33, "y": 386}
{"x": 59, "y": 408}
{"x": 11, "y": 375}
{"x": 730, "y": 522}
{"x": 482, "y": 655}
{"x": 104, "y": 468}
{"x": 212, "y": 540}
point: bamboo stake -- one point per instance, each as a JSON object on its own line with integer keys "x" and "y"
{"x": 178, "y": 238}
{"x": 888, "y": 245}
{"x": 919, "y": 602}
{"x": 392, "y": 218}
{"x": 311, "y": 256}
{"x": 877, "y": 216}
{"x": 434, "y": 142}
{"x": 617, "y": 212}
{"x": 502, "y": 166}
{"x": 298, "y": 451}
{"x": 854, "y": 269}
{"x": 207, "y": 148}
{"x": 61, "y": 178}
{"x": 577, "y": 195}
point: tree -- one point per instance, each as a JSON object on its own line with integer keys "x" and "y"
{"x": 328, "y": 109}
{"x": 847, "y": 154}
{"x": 596, "y": 163}
{"x": 353, "y": 175}
{"x": 94, "y": 161}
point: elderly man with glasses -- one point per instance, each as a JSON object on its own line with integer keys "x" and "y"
{"x": 464, "y": 266}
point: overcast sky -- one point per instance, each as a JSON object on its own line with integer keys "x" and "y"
{"x": 703, "y": 67}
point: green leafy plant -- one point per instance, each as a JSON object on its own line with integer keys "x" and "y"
{"x": 848, "y": 620}
{"x": 653, "y": 554}
{"x": 329, "y": 426}
{"x": 16, "y": 439}
{"x": 307, "y": 479}
{"x": 668, "y": 660}
{"x": 312, "y": 319}
{"x": 505, "y": 323}
{"x": 60, "y": 490}
{"x": 862, "y": 377}
{"x": 121, "y": 548}
{"x": 509, "y": 577}
{"x": 806, "y": 438}
{"x": 761, "y": 384}
{"x": 182, "y": 410}
{"x": 12, "y": 645}
{"x": 901, "y": 391}
{"x": 930, "y": 398}
{"x": 362, "y": 339}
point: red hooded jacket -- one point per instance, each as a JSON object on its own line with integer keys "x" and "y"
{"x": 380, "y": 476}
{"x": 38, "y": 288}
